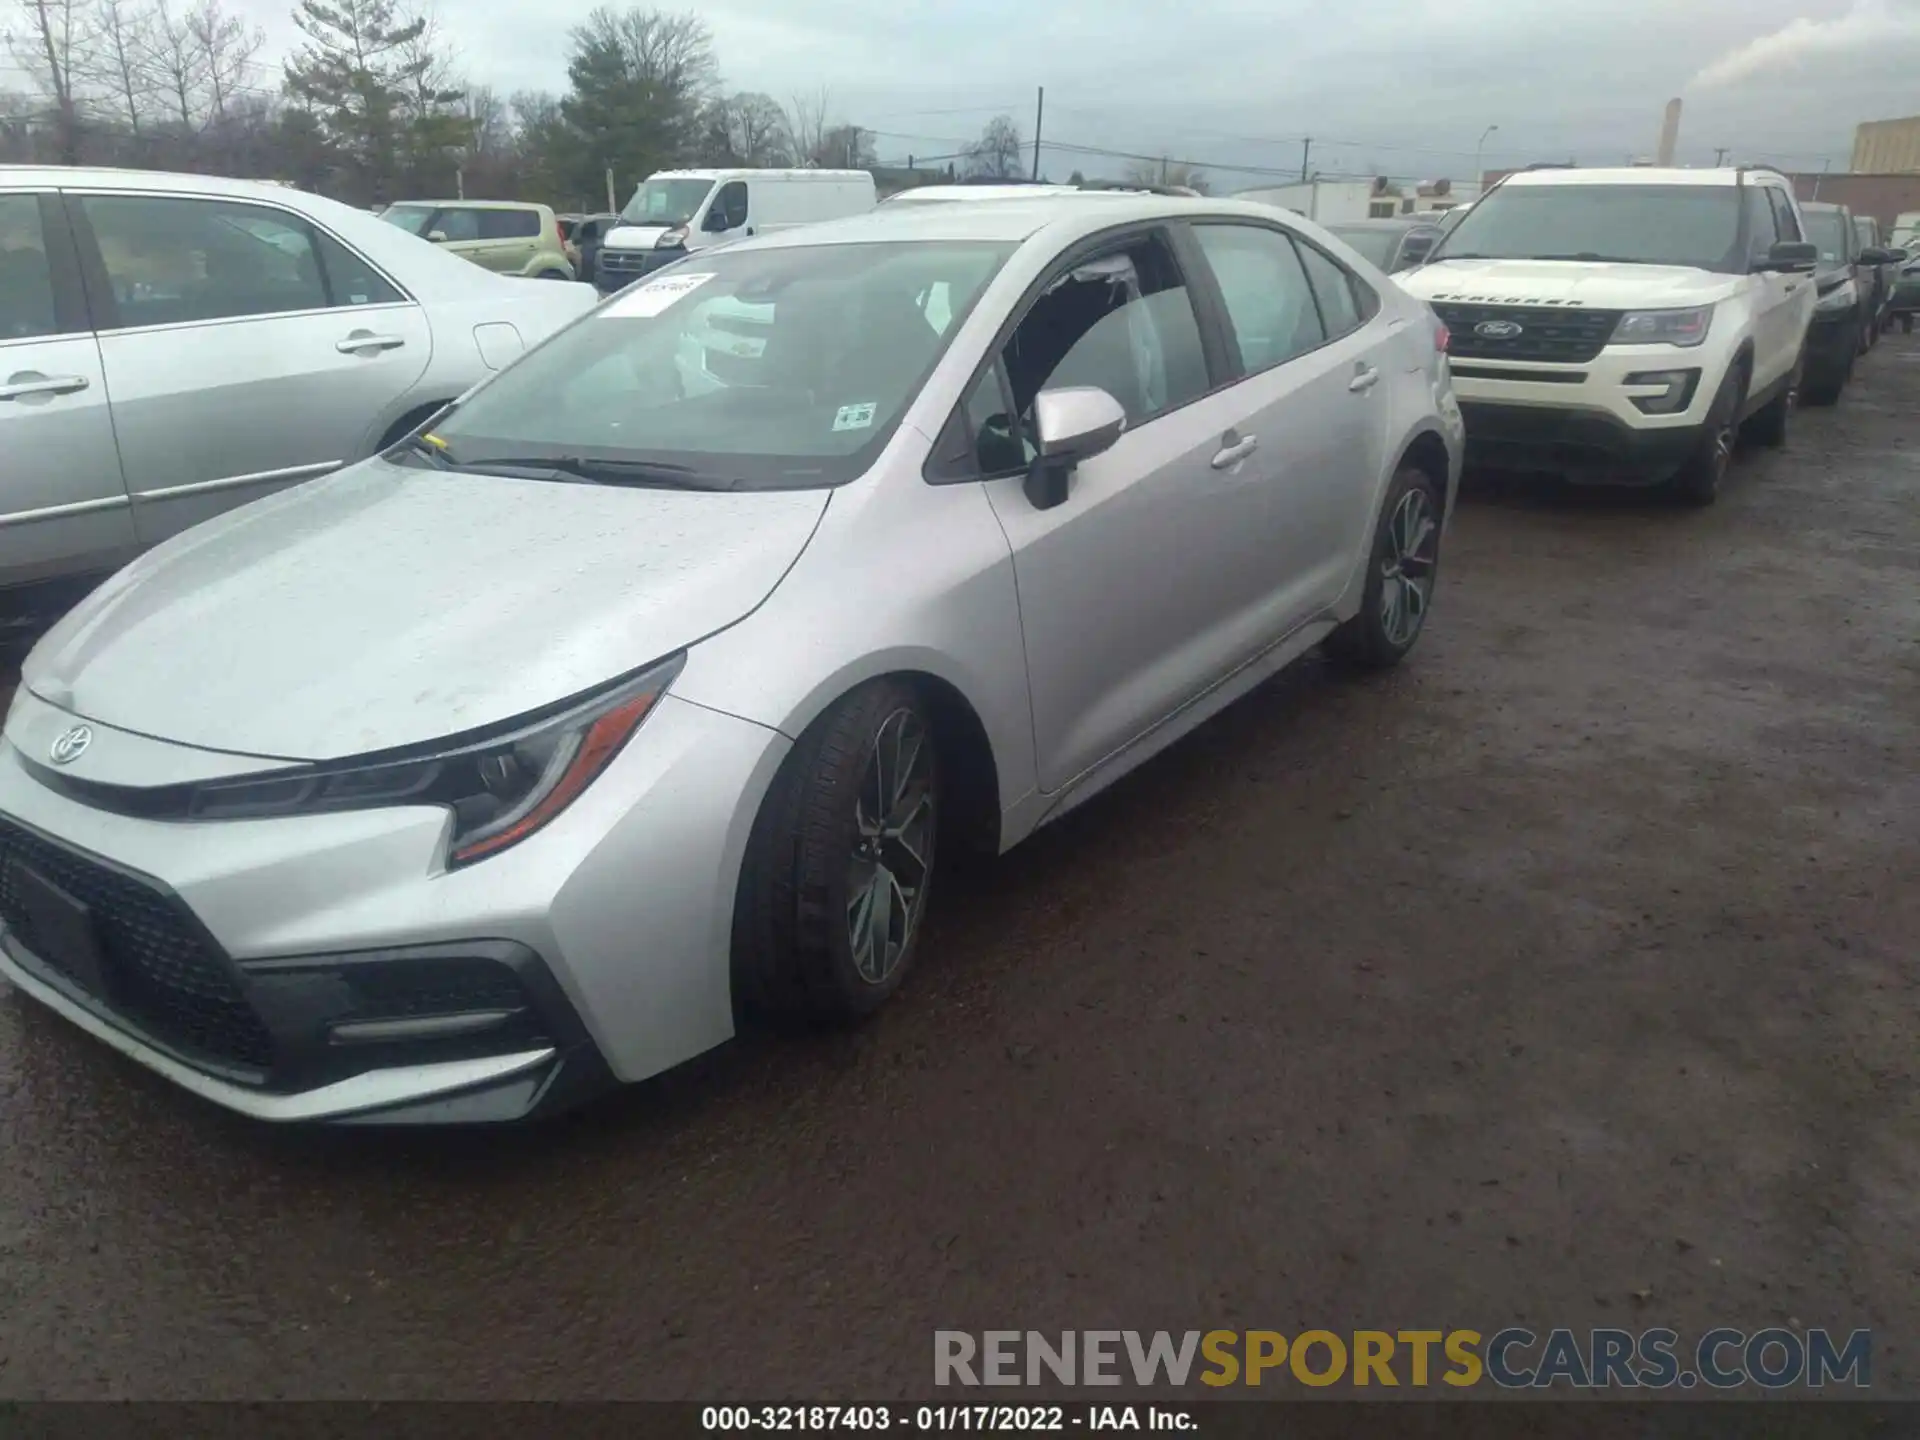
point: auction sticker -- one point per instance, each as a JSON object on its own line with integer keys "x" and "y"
{"x": 653, "y": 297}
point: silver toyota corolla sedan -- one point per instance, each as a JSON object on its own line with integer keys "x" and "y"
{"x": 650, "y": 686}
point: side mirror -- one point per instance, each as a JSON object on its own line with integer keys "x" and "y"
{"x": 1900, "y": 257}
{"x": 438, "y": 237}
{"x": 1072, "y": 424}
{"x": 1791, "y": 255}
{"x": 1876, "y": 255}
{"x": 715, "y": 222}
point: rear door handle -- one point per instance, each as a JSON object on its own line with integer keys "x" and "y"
{"x": 1234, "y": 451}
{"x": 366, "y": 340}
{"x": 31, "y": 382}
{"x": 1364, "y": 379}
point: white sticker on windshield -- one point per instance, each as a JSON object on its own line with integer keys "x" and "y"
{"x": 855, "y": 417}
{"x": 652, "y": 297}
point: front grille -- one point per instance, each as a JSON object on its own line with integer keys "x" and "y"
{"x": 165, "y": 978}
{"x": 1553, "y": 334}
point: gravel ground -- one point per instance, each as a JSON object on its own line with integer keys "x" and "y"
{"x": 1566, "y": 977}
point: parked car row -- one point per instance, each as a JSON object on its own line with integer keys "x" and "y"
{"x": 172, "y": 346}
{"x": 487, "y": 772}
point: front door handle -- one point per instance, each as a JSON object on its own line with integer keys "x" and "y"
{"x": 31, "y": 382}
{"x": 1365, "y": 377}
{"x": 361, "y": 340}
{"x": 1233, "y": 451}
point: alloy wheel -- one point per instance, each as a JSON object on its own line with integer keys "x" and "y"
{"x": 1407, "y": 569}
{"x": 894, "y": 819}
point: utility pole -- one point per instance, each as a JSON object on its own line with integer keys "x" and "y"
{"x": 1163, "y": 169}
{"x": 1719, "y": 156}
{"x": 1306, "y": 149}
{"x": 612, "y": 205}
{"x": 1039, "y": 114}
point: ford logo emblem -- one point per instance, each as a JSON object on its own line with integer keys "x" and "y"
{"x": 1498, "y": 329}
{"x": 71, "y": 745}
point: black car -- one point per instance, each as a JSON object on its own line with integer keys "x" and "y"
{"x": 1844, "y": 315}
{"x": 1866, "y": 230}
{"x": 582, "y": 234}
{"x": 1397, "y": 244}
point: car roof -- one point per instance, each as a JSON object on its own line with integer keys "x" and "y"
{"x": 1006, "y": 220}
{"x": 1821, "y": 207}
{"x": 477, "y": 204}
{"x": 1383, "y": 222}
{"x": 1639, "y": 175}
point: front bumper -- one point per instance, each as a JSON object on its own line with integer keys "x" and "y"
{"x": 1582, "y": 420}
{"x": 263, "y": 964}
{"x": 616, "y": 269}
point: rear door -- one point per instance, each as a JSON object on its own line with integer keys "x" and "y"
{"x": 458, "y": 229}
{"x": 508, "y": 239}
{"x": 1311, "y": 339}
{"x": 63, "y": 501}
{"x": 244, "y": 348}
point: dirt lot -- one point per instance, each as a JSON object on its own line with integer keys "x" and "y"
{"x": 1567, "y": 977}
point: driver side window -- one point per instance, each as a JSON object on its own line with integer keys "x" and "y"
{"x": 1122, "y": 321}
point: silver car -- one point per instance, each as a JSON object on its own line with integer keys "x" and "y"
{"x": 651, "y": 685}
{"x": 173, "y": 345}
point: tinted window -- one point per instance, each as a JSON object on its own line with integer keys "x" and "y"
{"x": 26, "y": 281}
{"x": 1761, "y": 229}
{"x": 752, "y": 369}
{"x": 508, "y": 224}
{"x": 173, "y": 260}
{"x": 1376, "y": 245}
{"x": 1783, "y": 213}
{"x": 1333, "y": 288}
{"x": 453, "y": 226}
{"x": 1828, "y": 230}
{"x": 351, "y": 280}
{"x": 732, "y": 203}
{"x": 1123, "y": 323}
{"x": 1268, "y": 297}
{"x": 1696, "y": 225}
{"x": 998, "y": 442}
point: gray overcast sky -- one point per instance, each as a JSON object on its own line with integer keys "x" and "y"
{"x": 1402, "y": 86}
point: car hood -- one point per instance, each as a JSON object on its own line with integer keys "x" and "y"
{"x": 385, "y": 606}
{"x": 632, "y": 237}
{"x": 1566, "y": 282}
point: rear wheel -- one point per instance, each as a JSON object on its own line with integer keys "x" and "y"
{"x": 1827, "y": 392}
{"x": 1697, "y": 482}
{"x": 841, "y": 862}
{"x": 1402, "y": 569}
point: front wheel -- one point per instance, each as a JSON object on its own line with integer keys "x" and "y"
{"x": 1697, "y": 482}
{"x": 1402, "y": 568}
{"x": 1768, "y": 426}
{"x": 841, "y": 862}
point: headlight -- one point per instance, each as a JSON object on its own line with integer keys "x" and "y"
{"x": 671, "y": 239}
{"x": 500, "y": 790}
{"x": 1843, "y": 296}
{"x": 1685, "y": 328}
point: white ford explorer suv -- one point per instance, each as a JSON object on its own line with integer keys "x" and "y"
{"x": 1622, "y": 326}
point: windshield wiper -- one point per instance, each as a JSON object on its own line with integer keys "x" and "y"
{"x": 652, "y": 474}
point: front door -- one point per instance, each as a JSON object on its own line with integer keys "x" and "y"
{"x": 1153, "y": 580}
{"x": 63, "y": 503}
{"x": 244, "y": 349}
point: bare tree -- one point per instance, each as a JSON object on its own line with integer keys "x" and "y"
{"x": 121, "y": 62}
{"x": 807, "y": 125}
{"x": 227, "y": 46}
{"x": 1167, "y": 172}
{"x": 179, "y": 67}
{"x": 757, "y": 131}
{"x": 55, "y": 50}
{"x": 996, "y": 154}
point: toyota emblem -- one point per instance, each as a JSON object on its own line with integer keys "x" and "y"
{"x": 71, "y": 745}
{"x": 1498, "y": 329}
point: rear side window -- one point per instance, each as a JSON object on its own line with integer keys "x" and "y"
{"x": 1269, "y": 299}
{"x": 1333, "y": 287}
{"x": 351, "y": 280}
{"x": 509, "y": 224}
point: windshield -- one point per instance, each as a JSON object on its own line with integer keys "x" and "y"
{"x": 1695, "y": 225}
{"x": 410, "y": 218}
{"x": 761, "y": 369}
{"x": 665, "y": 202}
{"x": 1376, "y": 245}
{"x": 1828, "y": 230}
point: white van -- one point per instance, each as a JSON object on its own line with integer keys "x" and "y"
{"x": 679, "y": 211}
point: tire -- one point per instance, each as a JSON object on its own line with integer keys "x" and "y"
{"x": 1827, "y": 392}
{"x": 1768, "y": 425}
{"x": 1403, "y": 571}
{"x": 1697, "y": 482}
{"x": 809, "y": 946}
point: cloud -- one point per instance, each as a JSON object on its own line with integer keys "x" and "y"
{"x": 1869, "y": 28}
